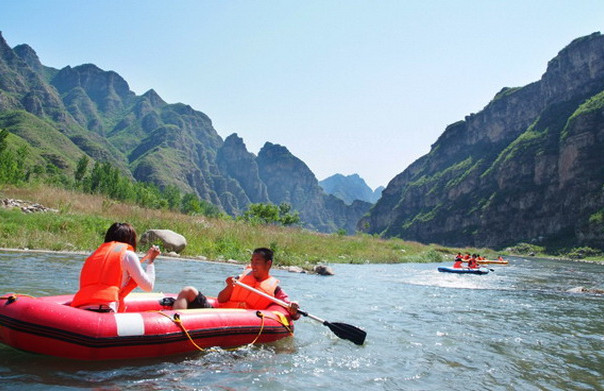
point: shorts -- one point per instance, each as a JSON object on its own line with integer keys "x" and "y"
{"x": 98, "y": 308}
{"x": 199, "y": 302}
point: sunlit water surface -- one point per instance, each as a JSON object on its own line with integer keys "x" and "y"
{"x": 513, "y": 329}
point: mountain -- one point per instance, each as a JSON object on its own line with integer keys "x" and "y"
{"x": 289, "y": 179}
{"x": 529, "y": 167}
{"x": 62, "y": 114}
{"x": 350, "y": 188}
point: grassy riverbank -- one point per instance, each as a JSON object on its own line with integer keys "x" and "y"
{"x": 82, "y": 220}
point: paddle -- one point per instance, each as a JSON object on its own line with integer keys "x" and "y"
{"x": 342, "y": 330}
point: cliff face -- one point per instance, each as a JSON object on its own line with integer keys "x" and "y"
{"x": 84, "y": 110}
{"x": 236, "y": 162}
{"x": 528, "y": 168}
{"x": 289, "y": 180}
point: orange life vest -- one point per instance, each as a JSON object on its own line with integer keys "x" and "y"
{"x": 101, "y": 277}
{"x": 243, "y": 298}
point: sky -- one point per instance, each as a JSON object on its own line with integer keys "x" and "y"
{"x": 350, "y": 86}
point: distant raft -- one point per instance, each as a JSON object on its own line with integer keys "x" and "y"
{"x": 494, "y": 261}
{"x": 148, "y": 328}
{"x": 480, "y": 270}
{"x": 489, "y": 261}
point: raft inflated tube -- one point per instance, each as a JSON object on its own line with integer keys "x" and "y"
{"x": 480, "y": 270}
{"x": 48, "y": 325}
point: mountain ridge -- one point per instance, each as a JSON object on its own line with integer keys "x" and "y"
{"x": 145, "y": 137}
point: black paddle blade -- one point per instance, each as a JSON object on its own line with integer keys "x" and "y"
{"x": 346, "y": 331}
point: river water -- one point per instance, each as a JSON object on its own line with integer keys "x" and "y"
{"x": 513, "y": 329}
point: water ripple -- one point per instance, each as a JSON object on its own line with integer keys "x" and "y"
{"x": 514, "y": 328}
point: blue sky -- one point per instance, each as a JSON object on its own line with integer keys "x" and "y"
{"x": 347, "y": 86}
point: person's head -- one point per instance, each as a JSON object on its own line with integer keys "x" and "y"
{"x": 261, "y": 262}
{"x": 121, "y": 232}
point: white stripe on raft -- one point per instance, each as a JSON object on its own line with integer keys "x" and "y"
{"x": 129, "y": 324}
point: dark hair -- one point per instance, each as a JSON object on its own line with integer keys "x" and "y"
{"x": 123, "y": 233}
{"x": 266, "y": 253}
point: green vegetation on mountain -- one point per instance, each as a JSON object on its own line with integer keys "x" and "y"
{"x": 62, "y": 114}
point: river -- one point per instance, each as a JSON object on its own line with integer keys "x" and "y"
{"x": 513, "y": 329}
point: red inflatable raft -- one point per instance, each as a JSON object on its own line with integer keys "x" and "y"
{"x": 148, "y": 328}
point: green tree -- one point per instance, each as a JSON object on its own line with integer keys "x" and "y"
{"x": 270, "y": 214}
{"x": 12, "y": 164}
{"x": 3, "y": 142}
{"x": 286, "y": 216}
{"x": 172, "y": 196}
{"x": 81, "y": 168}
{"x": 190, "y": 204}
{"x": 106, "y": 179}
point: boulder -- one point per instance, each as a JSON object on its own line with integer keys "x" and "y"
{"x": 582, "y": 289}
{"x": 170, "y": 240}
{"x": 323, "y": 270}
{"x": 294, "y": 269}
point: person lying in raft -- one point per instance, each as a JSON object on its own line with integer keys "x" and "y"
{"x": 113, "y": 271}
{"x": 255, "y": 275}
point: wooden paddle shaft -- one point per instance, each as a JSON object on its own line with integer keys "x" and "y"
{"x": 275, "y": 300}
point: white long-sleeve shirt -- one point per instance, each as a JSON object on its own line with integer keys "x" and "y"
{"x": 132, "y": 268}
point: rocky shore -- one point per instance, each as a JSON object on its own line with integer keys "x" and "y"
{"x": 25, "y": 206}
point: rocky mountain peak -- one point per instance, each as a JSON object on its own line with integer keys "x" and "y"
{"x": 5, "y": 49}
{"x": 577, "y": 69}
{"x": 153, "y": 98}
{"x": 105, "y": 88}
{"x": 234, "y": 160}
{"x": 27, "y": 54}
{"x": 349, "y": 188}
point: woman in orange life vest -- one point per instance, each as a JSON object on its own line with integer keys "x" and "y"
{"x": 113, "y": 271}
{"x": 232, "y": 296}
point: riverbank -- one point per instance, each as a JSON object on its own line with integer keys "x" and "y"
{"x": 69, "y": 221}
{"x": 79, "y": 222}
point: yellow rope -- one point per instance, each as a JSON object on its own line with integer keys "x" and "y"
{"x": 261, "y": 316}
{"x": 281, "y": 320}
{"x": 176, "y": 319}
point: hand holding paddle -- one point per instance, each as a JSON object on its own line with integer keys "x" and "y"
{"x": 342, "y": 330}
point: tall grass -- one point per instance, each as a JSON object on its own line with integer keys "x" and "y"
{"x": 82, "y": 220}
